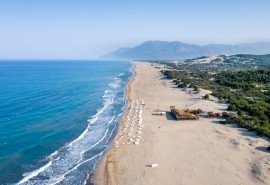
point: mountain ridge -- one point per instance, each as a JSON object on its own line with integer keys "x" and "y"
{"x": 163, "y": 50}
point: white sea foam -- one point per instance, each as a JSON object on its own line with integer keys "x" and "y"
{"x": 113, "y": 130}
{"x": 59, "y": 179}
{"x": 115, "y": 84}
{"x": 95, "y": 143}
{"x": 108, "y": 100}
{"x": 34, "y": 173}
{"x": 104, "y": 136}
{"x": 79, "y": 138}
{"x": 85, "y": 181}
{"x": 121, "y": 74}
{"x": 109, "y": 122}
{"x": 96, "y": 136}
{"x": 54, "y": 154}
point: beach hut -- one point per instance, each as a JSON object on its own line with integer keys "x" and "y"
{"x": 183, "y": 114}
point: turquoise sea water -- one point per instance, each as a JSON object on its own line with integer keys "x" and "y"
{"x": 57, "y": 118}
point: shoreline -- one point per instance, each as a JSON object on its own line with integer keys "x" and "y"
{"x": 200, "y": 152}
{"x": 100, "y": 175}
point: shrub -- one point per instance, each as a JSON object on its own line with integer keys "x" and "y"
{"x": 196, "y": 88}
{"x": 206, "y": 97}
{"x": 231, "y": 107}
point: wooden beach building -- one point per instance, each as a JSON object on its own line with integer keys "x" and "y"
{"x": 183, "y": 114}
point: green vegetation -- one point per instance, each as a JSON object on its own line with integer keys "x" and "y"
{"x": 247, "y": 90}
{"x": 261, "y": 59}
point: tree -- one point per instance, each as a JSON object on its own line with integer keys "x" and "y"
{"x": 206, "y": 97}
{"x": 240, "y": 112}
{"x": 231, "y": 107}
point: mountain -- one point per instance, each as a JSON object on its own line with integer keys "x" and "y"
{"x": 162, "y": 50}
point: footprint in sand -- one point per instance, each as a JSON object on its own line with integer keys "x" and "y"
{"x": 220, "y": 134}
{"x": 235, "y": 142}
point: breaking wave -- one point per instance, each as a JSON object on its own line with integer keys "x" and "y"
{"x": 72, "y": 163}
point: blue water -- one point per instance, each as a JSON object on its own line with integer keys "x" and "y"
{"x": 57, "y": 118}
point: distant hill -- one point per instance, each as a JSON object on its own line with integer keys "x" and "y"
{"x": 162, "y": 50}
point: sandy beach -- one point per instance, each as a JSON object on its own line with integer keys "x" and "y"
{"x": 191, "y": 152}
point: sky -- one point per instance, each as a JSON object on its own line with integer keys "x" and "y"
{"x": 88, "y": 29}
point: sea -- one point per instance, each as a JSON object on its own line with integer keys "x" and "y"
{"x": 58, "y": 118}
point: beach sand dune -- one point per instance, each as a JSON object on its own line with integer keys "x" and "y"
{"x": 195, "y": 152}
